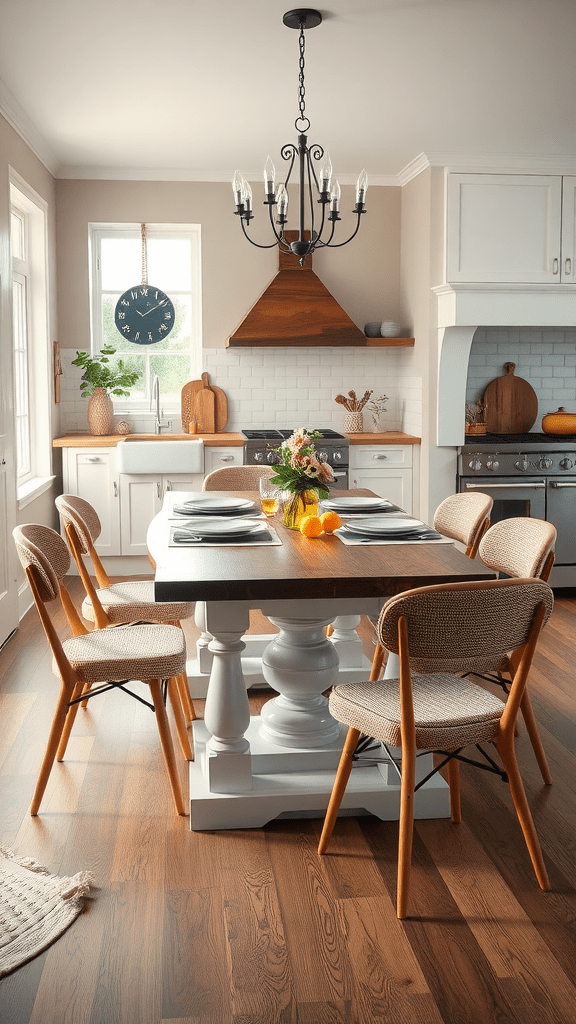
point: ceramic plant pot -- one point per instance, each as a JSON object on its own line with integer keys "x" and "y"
{"x": 100, "y": 412}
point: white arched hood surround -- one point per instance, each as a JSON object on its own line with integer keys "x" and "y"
{"x": 464, "y": 308}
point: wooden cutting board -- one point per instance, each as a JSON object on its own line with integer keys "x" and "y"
{"x": 205, "y": 410}
{"x": 511, "y": 404}
{"x": 189, "y": 392}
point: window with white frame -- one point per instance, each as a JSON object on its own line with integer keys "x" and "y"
{"x": 173, "y": 266}
{"x": 31, "y": 346}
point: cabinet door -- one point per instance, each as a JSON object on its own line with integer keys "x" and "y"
{"x": 182, "y": 482}
{"x": 217, "y": 458}
{"x": 91, "y": 474}
{"x": 568, "y": 267}
{"x": 140, "y": 500}
{"x": 504, "y": 228}
{"x": 394, "y": 484}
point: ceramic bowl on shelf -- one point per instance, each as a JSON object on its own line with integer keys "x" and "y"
{"x": 389, "y": 329}
{"x": 372, "y": 330}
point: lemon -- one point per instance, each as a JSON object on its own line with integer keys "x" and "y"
{"x": 330, "y": 521}
{"x": 311, "y": 526}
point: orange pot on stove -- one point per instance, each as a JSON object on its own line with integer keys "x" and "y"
{"x": 560, "y": 422}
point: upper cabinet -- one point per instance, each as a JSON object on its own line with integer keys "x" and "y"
{"x": 511, "y": 229}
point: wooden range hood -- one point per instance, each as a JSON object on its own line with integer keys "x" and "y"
{"x": 297, "y": 309}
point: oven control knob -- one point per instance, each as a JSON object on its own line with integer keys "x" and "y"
{"x": 258, "y": 456}
{"x": 522, "y": 464}
{"x": 544, "y": 462}
{"x": 492, "y": 464}
{"x": 337, "y": 456}
{"x": 475, "y": 465}
{"x": 272, "y": 457}
{"x": 323, "y": 456}
{"x": 566, "y": 464}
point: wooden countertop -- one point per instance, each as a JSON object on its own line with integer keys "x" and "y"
{"x": 228, "y": 440}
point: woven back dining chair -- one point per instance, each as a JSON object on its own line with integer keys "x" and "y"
{"x": 100, "y": 660}
{"x": 432, "y": 629}
{"x": 236, "y": 478}
{"x": 463, "y": 517}
{"x": 112, "y": 603}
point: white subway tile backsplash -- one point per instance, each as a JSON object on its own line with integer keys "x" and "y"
{"x": 546, "y": 357}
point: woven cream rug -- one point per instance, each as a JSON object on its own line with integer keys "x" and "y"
{"x": 35, "y": 907}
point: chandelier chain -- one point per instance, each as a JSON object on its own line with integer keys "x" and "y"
{"x": 301, "y": 88}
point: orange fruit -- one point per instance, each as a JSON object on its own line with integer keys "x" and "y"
{"x": 311, "y": 526}
{"x": 330, "y": 521}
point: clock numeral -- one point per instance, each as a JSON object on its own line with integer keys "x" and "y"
{"x": 144, "y": 292}
{"x": 137, "y": 335}
{"x": 125, "y": 302}
{"x": 134, "y": 295}
{"x": 150, "y": 336}
{"x": 121, "y": 316}
{"x": 162, "y": 328}
{"x": 168, "y": 315}
{"x": 126, "y": 328}
{"x": 155, "y": 295}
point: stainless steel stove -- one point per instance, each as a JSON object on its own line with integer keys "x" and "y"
{"x": 331, "y": 447}
{"x": 527, "y": 475}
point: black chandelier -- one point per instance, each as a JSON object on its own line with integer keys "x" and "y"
{"x": 328, "y": 193}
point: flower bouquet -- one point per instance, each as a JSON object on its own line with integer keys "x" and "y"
{"x": 302, "y": 475}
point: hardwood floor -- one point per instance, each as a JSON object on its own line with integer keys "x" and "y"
{"x": 250, "y": 926}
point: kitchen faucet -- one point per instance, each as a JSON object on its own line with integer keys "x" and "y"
{"x": 158, "y": 421}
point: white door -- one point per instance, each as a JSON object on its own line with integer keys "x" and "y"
{"x": 91, "y": 473}
{"x": 504, "y": 228}
{"x": 140, "y": 500}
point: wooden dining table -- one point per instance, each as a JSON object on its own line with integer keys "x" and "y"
{"x": 249, "y": 770}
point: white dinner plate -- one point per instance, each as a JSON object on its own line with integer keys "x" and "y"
{"x": 379, "y": 526}
{"x": 213, "y": 504}
{"x": 356, "y": 504}
{"x": 218, "y": 527}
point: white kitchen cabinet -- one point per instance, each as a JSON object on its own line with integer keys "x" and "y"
{"x": 91, "y": 474}
{"x": 218, "y": 458}
{"x": 386, "y": 470}
{"x": 511, "y": 229}
{"x": 126, "y": 504}
{"x": 141, "y": 498}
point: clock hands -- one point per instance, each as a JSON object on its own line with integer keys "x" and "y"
{"x": 163, "y": 303}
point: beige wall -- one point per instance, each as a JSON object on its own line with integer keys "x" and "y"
{"x": 364, "y": 277}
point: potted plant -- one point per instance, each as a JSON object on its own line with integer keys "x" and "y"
{"x": 99, "y": 380}
{"x": 302, "y": 474}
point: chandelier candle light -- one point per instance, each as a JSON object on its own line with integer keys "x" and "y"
{"x": 311, "y": 237}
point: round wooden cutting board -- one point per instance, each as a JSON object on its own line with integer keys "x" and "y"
{"x": 511, "y": 404}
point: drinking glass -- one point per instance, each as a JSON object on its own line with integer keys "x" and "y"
{"x": 269, "y": 496}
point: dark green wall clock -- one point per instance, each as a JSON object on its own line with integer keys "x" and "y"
{"x": 144, "y": 314}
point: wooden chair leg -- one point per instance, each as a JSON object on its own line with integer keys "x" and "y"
{"x": 339, "y": 788}
{"x": 454, "y": 783}
{"x": 58, "y": 723}
{"x": 532, "y": 729}
{"x": 175, "y": 700}
{"x": 185, "y": 697}
{"x": 406, "y": 829}
{"x": 521, "y": 806}
{"x": 377, "y": 663}
{"x": 167, "y": 745}
{"x": 70, "y": 719}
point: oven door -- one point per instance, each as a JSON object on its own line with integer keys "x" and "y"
{"x": 512, "y": 498}
{"x": 560, "y": 512}
{"x": 340, "y": 481}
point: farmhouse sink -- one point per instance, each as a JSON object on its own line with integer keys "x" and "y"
{"x": 160, "y": 456}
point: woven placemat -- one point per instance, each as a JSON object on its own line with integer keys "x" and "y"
{"x": 36, "y": 907}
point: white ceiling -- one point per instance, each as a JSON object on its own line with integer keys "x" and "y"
{"x": 183, "y": 89}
